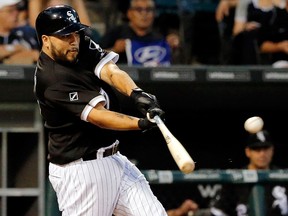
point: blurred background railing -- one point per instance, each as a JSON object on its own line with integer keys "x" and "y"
{"x": 202, "y": 185}
{"x": 172, "y": 186}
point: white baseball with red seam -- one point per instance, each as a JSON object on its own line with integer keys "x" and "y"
{"x": 254, "y": 124}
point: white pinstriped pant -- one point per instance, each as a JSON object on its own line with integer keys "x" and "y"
{"x": 102, "y": 187}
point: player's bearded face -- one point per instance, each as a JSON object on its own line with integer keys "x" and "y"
{"x": 65, "y": 48}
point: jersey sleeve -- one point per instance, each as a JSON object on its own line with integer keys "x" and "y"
{"x": 93, "y": 57}
{"x": 74, "y": 101}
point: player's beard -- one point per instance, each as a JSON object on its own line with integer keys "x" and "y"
{"x": 61, "y": 55}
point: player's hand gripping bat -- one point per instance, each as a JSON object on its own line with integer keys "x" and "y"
{"x": 177, "y": 150}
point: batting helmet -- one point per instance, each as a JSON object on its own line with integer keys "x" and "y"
{"x": 58, "y": 20}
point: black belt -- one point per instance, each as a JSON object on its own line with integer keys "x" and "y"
{"x": 106, "y": 153}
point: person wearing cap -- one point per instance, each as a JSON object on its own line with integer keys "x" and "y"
{"x": 74, "y": 84}
{"x": 36, "y": 6}
{"x": 260, "y": 150}
{"x": 17, "y": 44}
{"x": 233, "y": 200}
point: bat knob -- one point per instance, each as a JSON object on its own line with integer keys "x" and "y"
{"x": 150, "y": 119}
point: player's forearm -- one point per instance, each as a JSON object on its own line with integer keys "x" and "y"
{"x": 118, "y": 78}
{"x": 112, "y": 120}
{"x": 124, "y": 83}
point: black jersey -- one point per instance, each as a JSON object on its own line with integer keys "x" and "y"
{"x": 66, "y": 94}
{"x": 276, "y": 32}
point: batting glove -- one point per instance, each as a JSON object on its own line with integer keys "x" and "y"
{"x": 155, "y": 111}
{"x": 148, "y": 122}
{"x": 143, "y": 100}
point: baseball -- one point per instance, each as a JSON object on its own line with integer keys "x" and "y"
{"x": 254, "y": 124}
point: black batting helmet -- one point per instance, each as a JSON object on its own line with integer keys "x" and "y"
{"x": 58, "y": 20}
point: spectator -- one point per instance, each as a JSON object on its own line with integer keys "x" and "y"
{"x": 234, "y": 200}
{"x": 274, "y": 40}
{"x": 250, "y": 16}
{"x": 23, "y": 19}
{"x": 200, "y": 31}
{"x": 142, "y": 40}
{"x": 224, "y": 8}
{"x": 224, "y": 15}
{"x": 18, "y": 44}
{"x": 188, "y": 207}
{"x": 167, "y": 19}
{"x": 36, "y": 6}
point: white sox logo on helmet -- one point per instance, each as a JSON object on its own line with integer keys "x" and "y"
{"x": 71, "y": 16}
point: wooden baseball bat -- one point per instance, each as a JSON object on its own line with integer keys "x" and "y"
{"x": 177, "y": 150}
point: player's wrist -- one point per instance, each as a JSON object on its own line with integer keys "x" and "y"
{"x": 135, "y": 91}
{"x": 145, "y": 124}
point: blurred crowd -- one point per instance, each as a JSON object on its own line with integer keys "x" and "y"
{"x": 161, "y": 33}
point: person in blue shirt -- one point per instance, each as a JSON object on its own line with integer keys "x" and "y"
{"x": 136, "y": 42}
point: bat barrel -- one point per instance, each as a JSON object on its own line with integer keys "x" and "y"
{"x": 177, "y": 150}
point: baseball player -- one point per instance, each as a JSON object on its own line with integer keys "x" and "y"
{"x": 74, "y": 84}
{"x": 236, "y": 200}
